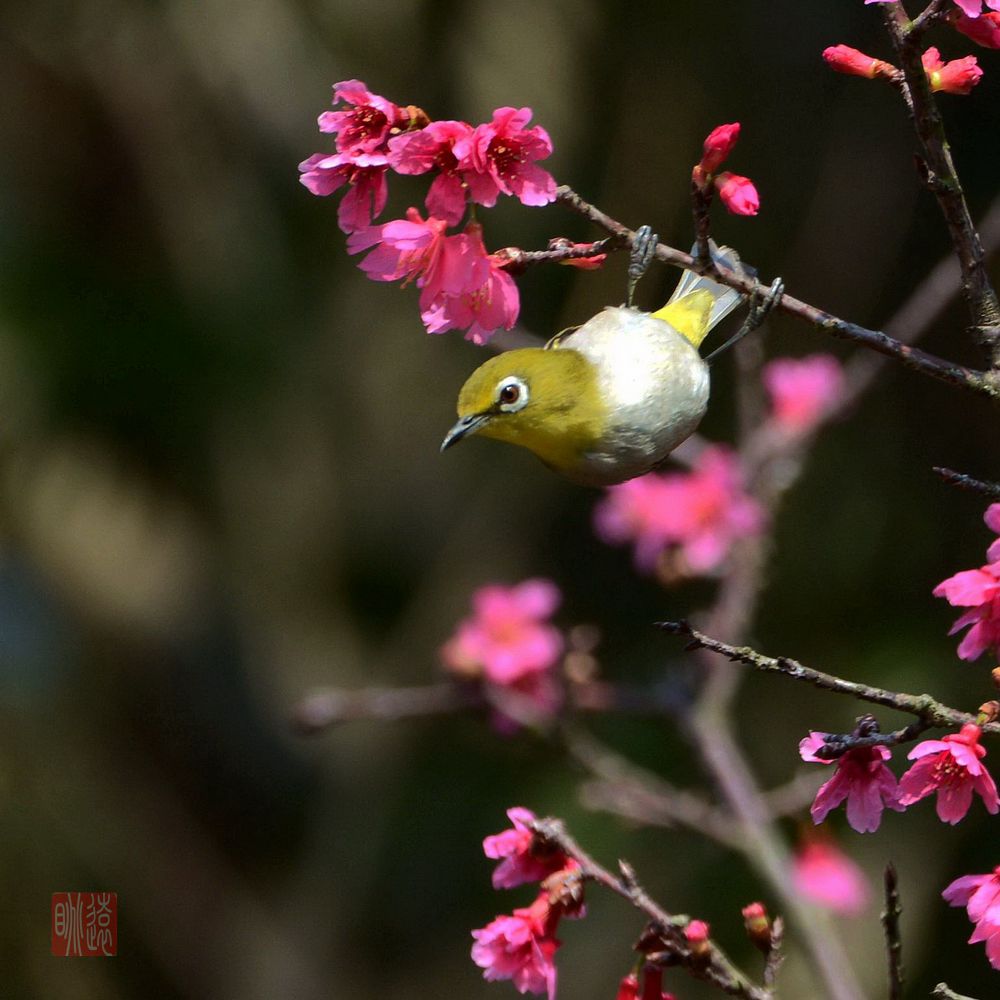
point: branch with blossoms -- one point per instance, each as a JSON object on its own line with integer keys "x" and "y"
{"x": 709, "y": 520}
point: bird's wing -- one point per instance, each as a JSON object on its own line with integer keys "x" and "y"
{"x": 557, "y": 340}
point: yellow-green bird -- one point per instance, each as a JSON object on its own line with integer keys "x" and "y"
{"x": 609, "y": 400}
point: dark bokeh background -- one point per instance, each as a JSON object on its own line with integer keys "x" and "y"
{"x": 220, "y": 485}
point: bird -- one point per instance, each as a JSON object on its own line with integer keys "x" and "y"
{"x": 607, "y": 401}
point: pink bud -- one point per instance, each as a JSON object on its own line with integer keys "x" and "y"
{"x": 738, "y": 194}
{"x": 844, "y": 59}
{"x": 956, "y": 77}
{"x": 983, "y": 30}
{"x": 628, "y": 988}
{"x": 696, "y": 933}
{"x": 718, "y": 146}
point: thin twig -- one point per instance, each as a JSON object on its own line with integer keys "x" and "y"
{"x": 923, "y": 706}
{"x": 941, "y": 178}
{"x": 715, "y": 968}
{"x": 631, "y": 791}
{"x": 941, "y": 992}
{"x": 776, "y": 955}
{"x": 983, "y": 383}
{"x": 961, "y": 480}
{"x": 893, "y": 940}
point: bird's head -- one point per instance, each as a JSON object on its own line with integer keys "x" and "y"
{"x": 544, "y": 400}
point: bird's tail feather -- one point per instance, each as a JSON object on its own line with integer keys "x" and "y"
{"x": 724, "y": 299}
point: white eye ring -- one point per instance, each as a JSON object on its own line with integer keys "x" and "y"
{"x": 512, "y": 394}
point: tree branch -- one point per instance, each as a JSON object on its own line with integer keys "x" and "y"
{"x": 961, "y": 480}
{"x": 923, "y": 706}
{"x": 983, "y": 383}
{"x": 715, "y": 968}
{"x": 893, "y": 940}
{"x": 941, "y": 178}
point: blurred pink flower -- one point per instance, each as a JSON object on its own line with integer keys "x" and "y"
{"x": 984, "y": 30}
{"x": 500, "y": 156}
{"x": 853, "y": 62}
{"x": 508, "y": 638}
{"x": 826, "y": 876}
{"x": 522, "y": 860}
{"x": 950, "y": 767}
{"x": 366, "y": 125}
{"x": 802, "y": 390}
{"x": 521, "y": 947}
{"x": 433, "y": 148}
{"x": 364, "y": 172}
{"x": 702, "y": 512}
{"x": 628, "y": 988}
{"x": 978, "y": 590}
{"x": 861, "y": 778}
{"x": 738, "y": 194}
{"x": 980, "y": 895}
{"x": 992, "y": 519}
{"x": 486, "y": 301}
{"x": 958, "y": 76}
{"x": 718, "y": 146}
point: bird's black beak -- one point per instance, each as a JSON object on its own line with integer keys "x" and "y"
{"x": 464, "y": 426}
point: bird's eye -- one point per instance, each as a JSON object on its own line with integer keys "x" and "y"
{"x": 510, "y": 393}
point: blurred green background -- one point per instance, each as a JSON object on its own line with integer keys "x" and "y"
{"x": 220, "y": 484}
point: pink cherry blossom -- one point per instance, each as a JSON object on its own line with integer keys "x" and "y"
{"x": 366, "y": 125}
{"x": 499, "y": 158}
{"x": 983, "y": 30}
{"x": 718, "y": 145}
{"x": 861, "y": 778}
{"x": 364, "y": 172}
{"x": 738, "y": 194}
{"x": 486, "y": 301}
{"x": 956, "y": 77}
{"x": 951, "y": 768}
{"x": 521, "y": 947}
{"x": 803, "y": 390}
{"x": 978, "y": 590}
{"x": 701, "y": 512}
{"x": 844, "y": 59}
{"x": 508, "y": 637}
{"x": 523, "y": 860}
{"x": 827, "y": 877}
{"x": 433, "y": 148}
{"x": 980, "y": 895}
{"x": 404, "y": 248}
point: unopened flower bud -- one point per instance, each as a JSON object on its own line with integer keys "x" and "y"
{"x": 983, "y": 30}
{"x": 718, "y": 146}
{"x": 844, "y": 59}
{"x": 956, "y": 77}
{"x": 628, "y": 988}
{"x": 696, "y": 933}
{"x": 995, "y": 674}
{"x": 988, "y": 712}
{"x": 738, "y": 194}
{"x": 758, "y": 926}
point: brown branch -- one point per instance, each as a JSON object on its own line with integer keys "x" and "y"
{"x": 923, "y": 706}
{"x": 776, "y": 954}
{"x": 715, "y": 967}
{"x": 983, "y": 383}
{"x": 941, "y": 178}
{"x": 893, "y": 940}
{"x": 962, "y": 481}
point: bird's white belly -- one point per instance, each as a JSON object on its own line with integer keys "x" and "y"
{"x": 656, "y": 387}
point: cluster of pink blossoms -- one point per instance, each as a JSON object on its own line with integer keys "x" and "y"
{"x": 802, "y": 390}
{"x": 522, "y": 946}
{"x": 698, "y": 513}
{"x": 980, "y": 895}
{"x": 979, "y": 591}
{"x": 462, "y": 285}
{"x": 737, "y": 193}
{"x": 950, "y": 767}
{"x": 509, "y": 645}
